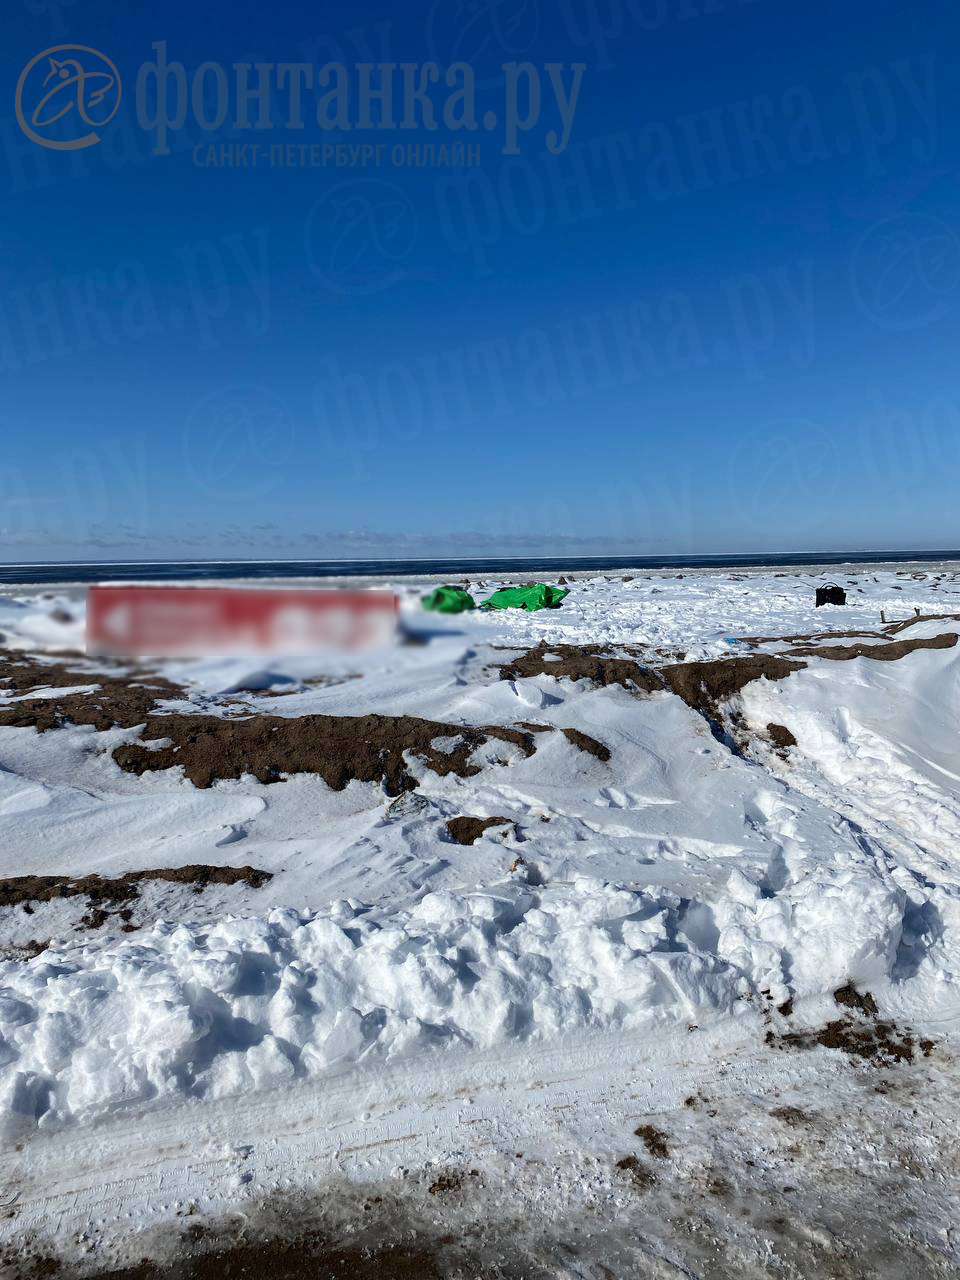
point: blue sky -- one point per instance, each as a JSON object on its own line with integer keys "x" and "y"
{"x": 724, "y": 318}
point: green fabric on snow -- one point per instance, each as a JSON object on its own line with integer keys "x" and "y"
{"x": 449, "y": 600}
{"x": 539, "y": 596}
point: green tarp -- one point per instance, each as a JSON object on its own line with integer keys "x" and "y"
{"x": 539, "y": 596}
{"x": 456, "y": 600}
{"x": 449, "y": 600}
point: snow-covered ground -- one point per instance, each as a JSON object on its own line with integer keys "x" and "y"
{"x": 644, "y": 927}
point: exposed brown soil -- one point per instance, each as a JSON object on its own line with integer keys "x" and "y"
{"x": 371, "y": 748}
{"x": 338, "y": 749}
{"x": 582, "y": 662}
{"x": 720, "y": 1187}
{"x": 24, "y": 950}
{"x": 654, "y": 1139}
{"x": 792, "y": 1116}
{"x": 889, "y": 651}
{"x": 889, "y": 629}
{"x": 119, "y": 699}
{"x": 584, "y": 742}
{"x": 39, "y": 1267}
{"x": 851, "y": 998}
{"x": 465, "y": 830}
{"x": 308, "y": 1257}
{"x": 780, "y": 736}
{"x": 892, "y": 628}
{"x": 879, "y": 1043}
{"x": 451, "y": 1180}
{"x": 811, "y": 636}
{"x": 102, "y": 892}
{"x": 704, "y": 685}
{"x": 639, "y": 1174}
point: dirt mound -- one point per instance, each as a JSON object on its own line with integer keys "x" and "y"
{"x": 582, "y": 662}
{"x": 583, "y": 742}
{"x": 119, "y": 699}
{"x": 704, "y": 685}
{"x": 793, "y": 1116}
{"x": 851, "y": 998}
{"x": 465, "y": 830}
{"x": 701, "y": 685}
{"x": 338, "y": 749}
{"x": 812, "y": 636}
{"x": 780, "y": 736}
{"x": 890, "y": 651}
{"x": 103, "y": 893}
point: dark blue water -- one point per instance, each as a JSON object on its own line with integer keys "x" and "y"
{"x": 205, "y": 570}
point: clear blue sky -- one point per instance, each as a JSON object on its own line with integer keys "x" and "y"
{"x": 749, "y": 344}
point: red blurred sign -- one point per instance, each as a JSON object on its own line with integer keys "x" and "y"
{"x": 165, "y": 621}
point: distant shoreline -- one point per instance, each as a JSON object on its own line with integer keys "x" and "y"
{"x": 84, "y": 572}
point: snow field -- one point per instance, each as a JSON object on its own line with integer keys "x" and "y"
{"x": 673, "y": 885}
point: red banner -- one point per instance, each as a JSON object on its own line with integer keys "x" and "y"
{"x": 167, "y": 621}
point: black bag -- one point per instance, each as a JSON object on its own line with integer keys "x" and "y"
{"x": 831, "y": 594}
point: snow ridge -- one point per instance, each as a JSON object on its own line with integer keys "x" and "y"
{"x": 256, "y": 1001}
